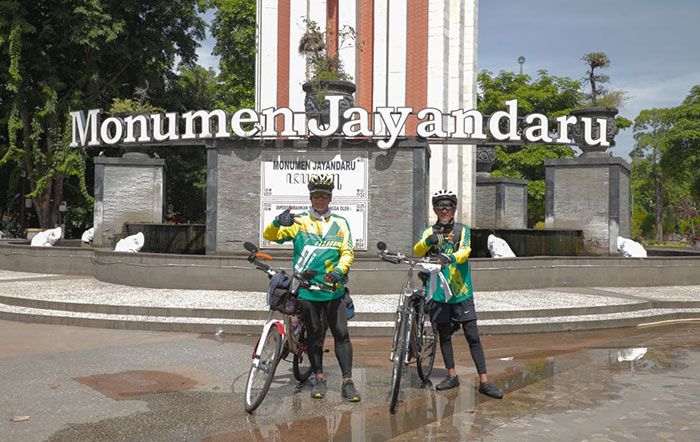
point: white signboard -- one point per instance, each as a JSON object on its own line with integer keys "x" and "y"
{"x": 286, "y": 175}
{"x": 284, "y": 178}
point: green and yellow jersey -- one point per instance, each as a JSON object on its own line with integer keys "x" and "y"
{"x": 322, "y": 245}
{"x": 457, "y": 273}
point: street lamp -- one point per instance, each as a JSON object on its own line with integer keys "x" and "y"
{"x": 521, "y": 60}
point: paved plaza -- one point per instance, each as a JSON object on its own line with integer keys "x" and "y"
{"x": 68, "y": 383}
{"x": 75, "y": 383}
{"x": 80, "y": 300}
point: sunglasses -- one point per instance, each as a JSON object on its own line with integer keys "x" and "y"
{"x": 442, "y": 207}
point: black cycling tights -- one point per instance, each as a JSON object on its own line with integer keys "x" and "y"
{"x": 472, "y": 334}
{"x": 338, "y": 323}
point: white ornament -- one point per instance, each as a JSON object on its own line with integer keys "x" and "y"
{"x": 132, "y": 243}
{"x": 47, "y": 238}
{"x": 88, "y": 235}
{"x": 630, "y": 249}
{"x": 499, "y": 248}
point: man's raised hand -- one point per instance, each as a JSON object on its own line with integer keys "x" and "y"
{"x": 287, "y": 218}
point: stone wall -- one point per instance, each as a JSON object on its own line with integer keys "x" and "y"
{"x": 501, "y": 203}
{"x": 127, "y": 190}
{"x": 397, "y": 191}
{"x": 592, "y": 194}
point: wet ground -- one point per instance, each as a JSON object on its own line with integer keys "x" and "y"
{"x": 75, "y": 383}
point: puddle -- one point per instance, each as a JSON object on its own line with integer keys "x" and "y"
{"x": 623, "y": 387}
{"x": 133, "y": 384}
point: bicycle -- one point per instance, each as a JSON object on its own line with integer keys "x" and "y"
{"x": 414, "y": 334}
{"x": 279, "y": 338}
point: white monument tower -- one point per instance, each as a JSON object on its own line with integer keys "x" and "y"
{"x": 417, "y": 53}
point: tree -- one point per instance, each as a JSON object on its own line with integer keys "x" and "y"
{"x": 57, "y": 56}
{"x": 234, "y": 31}
{"x": 682, "y": 141}
{"x": 596, "y": 60}
{"x": 600, "y": 95}
{"x": 649, "y": 130}
{"x": 549, "y": 95}
{"x": 667, "y": 145}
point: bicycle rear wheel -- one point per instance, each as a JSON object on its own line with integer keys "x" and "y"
{"x": 400, "y": 334}
{"x": 263, "y": 369}
{"x": 301, "y": 365}
{"x": 426, "y": 347}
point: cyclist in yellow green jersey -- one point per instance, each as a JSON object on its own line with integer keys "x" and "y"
{"x": 322, "y": 242}
{"x": 449, "y": 292}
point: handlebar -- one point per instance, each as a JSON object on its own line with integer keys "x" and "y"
{"x": 303, "y": 282}
{"x": 398, "y": 258}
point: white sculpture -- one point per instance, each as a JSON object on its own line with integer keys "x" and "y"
{"x": 132, "y": 243}
{"x": 630, "y": 249}
{"x": 47, "y": 238}
{"x": 88, "y": 235}
{"x": 499, "y": 248}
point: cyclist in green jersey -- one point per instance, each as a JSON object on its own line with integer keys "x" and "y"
{"x": 322, "y": 242}
{"x": 449, "y": 292}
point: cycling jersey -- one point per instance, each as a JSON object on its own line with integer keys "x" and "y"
{"x": 319, "y": 244}
{"x": 457, "y": 274}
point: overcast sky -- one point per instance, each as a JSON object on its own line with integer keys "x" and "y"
{"x": 654, "y": 45}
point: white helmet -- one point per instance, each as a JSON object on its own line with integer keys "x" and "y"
{"x": 444, "y": 194}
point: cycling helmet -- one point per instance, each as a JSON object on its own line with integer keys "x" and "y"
{"x": 321, "y": 183}
{"x": 444, "y": 194}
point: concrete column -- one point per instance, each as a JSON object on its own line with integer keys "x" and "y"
{"x": 591, "y": 193}
{"x": 501, "y": 203}
{"x": 127, "y": 190}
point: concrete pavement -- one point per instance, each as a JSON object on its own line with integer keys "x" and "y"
{"x": 80, "y": 300}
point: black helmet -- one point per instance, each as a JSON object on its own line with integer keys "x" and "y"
{"x": 444, "y": 195}
{"x": 321, "y": 183}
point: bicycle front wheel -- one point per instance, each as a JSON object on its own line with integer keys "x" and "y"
{"x": 426, "y": 347}
{"x": 263, "y": 369}
{"x": 400, "y": 335}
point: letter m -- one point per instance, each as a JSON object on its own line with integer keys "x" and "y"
{"x": 80, "y": 126}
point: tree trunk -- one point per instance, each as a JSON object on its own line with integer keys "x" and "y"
{"x": 658, "y": 201}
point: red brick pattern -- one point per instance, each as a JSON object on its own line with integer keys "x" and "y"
{"x": 283, "y": 17}
{"x": 365, "y": 54}
{"x": 416, "y": 59}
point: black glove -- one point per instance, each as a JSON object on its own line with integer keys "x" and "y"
{"x": 285, "y": 218}
{"x": 333, "y": 276}
{"x": 446, "y": 258}
{"x": 435, "y": 239}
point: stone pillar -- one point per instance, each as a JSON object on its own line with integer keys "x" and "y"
{"x": 396, "y": 192}
{"x": 127, "y": 190}
{"x": 591, "y": 193}
{"x": 501, "y": 203}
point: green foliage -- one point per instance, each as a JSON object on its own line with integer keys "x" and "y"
{"x": 128, "y": 105}
{"x": 194, "y": 88}
{"x": 60, "y": 56}
{"x": 234, "y": 30}
{"x": 667, "y": 155}
{"x": 549, "y": 95}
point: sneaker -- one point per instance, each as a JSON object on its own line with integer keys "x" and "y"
{"x": 349, "y": 393}
{"x": 448, "y": 383}
{"x": 490, "y": 390}
{"x": 318, "y": 391}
